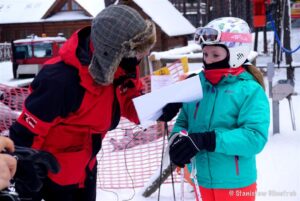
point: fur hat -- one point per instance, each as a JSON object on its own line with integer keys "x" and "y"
{"x": 118, "y": 31}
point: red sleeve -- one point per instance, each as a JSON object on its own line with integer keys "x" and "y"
{"x": 36, "y": 126}
{"x": 126, "y": 94}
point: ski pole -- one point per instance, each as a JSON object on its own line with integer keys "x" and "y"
{"x": 182, "y": 184}
{"x": 194, "y": 177}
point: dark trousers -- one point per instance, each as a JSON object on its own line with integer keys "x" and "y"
{"x": 54, "y": 192}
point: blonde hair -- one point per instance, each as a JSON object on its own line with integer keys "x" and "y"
{"x": 256, "y": 73}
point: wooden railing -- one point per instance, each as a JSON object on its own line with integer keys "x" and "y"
{"x": 5, "y": 51}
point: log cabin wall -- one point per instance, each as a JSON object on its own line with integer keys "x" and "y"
{"x": 9, "y": 32}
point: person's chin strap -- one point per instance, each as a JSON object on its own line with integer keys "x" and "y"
{"x": 214, "y": 76}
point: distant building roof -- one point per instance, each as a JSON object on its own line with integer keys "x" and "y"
{"x": 68, "y": 16}
{"x": 166, "y": 16}
{"x": 162, "y": 12}
{"x": 92, "y": 6}
{"x": 26, "y": 11}
{"x": 20, "y": 11}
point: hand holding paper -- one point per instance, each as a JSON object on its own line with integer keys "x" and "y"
{"x": 149, "y": 106}
{"x": 169, "y": 111}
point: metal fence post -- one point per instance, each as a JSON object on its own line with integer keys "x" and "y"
{"x": 275, "y": 104}
{"x": 270, "y": 75}
{"x": 275, "y": 112}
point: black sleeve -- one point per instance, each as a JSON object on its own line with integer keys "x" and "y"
{"x": 21, "y": 135}
{"x": 56, "y": 92}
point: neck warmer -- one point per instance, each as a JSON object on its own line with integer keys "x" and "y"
{"x": 214, "y": 76}
{"x": 217, "y": 65}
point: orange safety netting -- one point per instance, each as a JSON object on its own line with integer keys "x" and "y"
{"x": 11, "y": 101}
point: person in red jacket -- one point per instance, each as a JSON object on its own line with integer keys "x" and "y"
{"x": 80, "y": 95}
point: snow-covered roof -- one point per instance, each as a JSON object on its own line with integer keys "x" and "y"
{"x": 41, "y": 39}
{"x": 25, "y": 11}
{"x": 166, "y": 16}
{"x": 67, "y": 16}
{"x": 92, "y": 6}
{"x": 190, "y": 51}
{"x": 18, "y": 11}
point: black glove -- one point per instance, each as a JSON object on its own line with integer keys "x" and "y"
{"x": 124, "y": 81}
{"x": 32, "y": 168}
{"x": 185, "y": 146}
{"x": 169, "y": 111}
{"x": 129, "y": 66}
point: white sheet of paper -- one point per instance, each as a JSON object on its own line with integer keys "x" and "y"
{"x": 149, "y": 106}
{"x": 159, "y": 81}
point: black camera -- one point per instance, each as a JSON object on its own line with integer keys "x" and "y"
{"x": 9, "y": 195}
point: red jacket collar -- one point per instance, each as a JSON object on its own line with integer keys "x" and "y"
{"x": 68, "y": 55}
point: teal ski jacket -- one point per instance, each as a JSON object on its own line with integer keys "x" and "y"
{"x": 237, "y": 109}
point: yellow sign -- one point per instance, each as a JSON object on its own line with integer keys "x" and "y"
{"x": 179, "y": 65}
{"x": 162, "y": 71}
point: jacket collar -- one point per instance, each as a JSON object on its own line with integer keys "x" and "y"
{"x": 76, "y": 53}
{"x": 245, "y": 75}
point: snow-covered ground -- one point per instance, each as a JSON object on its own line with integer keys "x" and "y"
{"x": 6, "y": 76}
{"x": 278, "y": 164}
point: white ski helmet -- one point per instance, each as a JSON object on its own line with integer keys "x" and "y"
{"x": 234, "y": 33}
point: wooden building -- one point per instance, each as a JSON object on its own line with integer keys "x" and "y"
{"x": 200, "y": 12}
{"x": 173, "y": 30}
{"x": 18, "y": 19}
{"x": 51, "y": 17}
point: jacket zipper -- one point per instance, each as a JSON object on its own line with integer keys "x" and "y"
{"x": 213, "y": 90}
{"x": 237, "y": 170}
{"x": 196, "y": 110}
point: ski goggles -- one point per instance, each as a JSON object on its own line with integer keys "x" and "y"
{"x": 214, "y": 36}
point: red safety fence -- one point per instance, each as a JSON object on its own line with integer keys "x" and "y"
{"x": 11, "y": 102}
{"x": 129, "y": 154}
